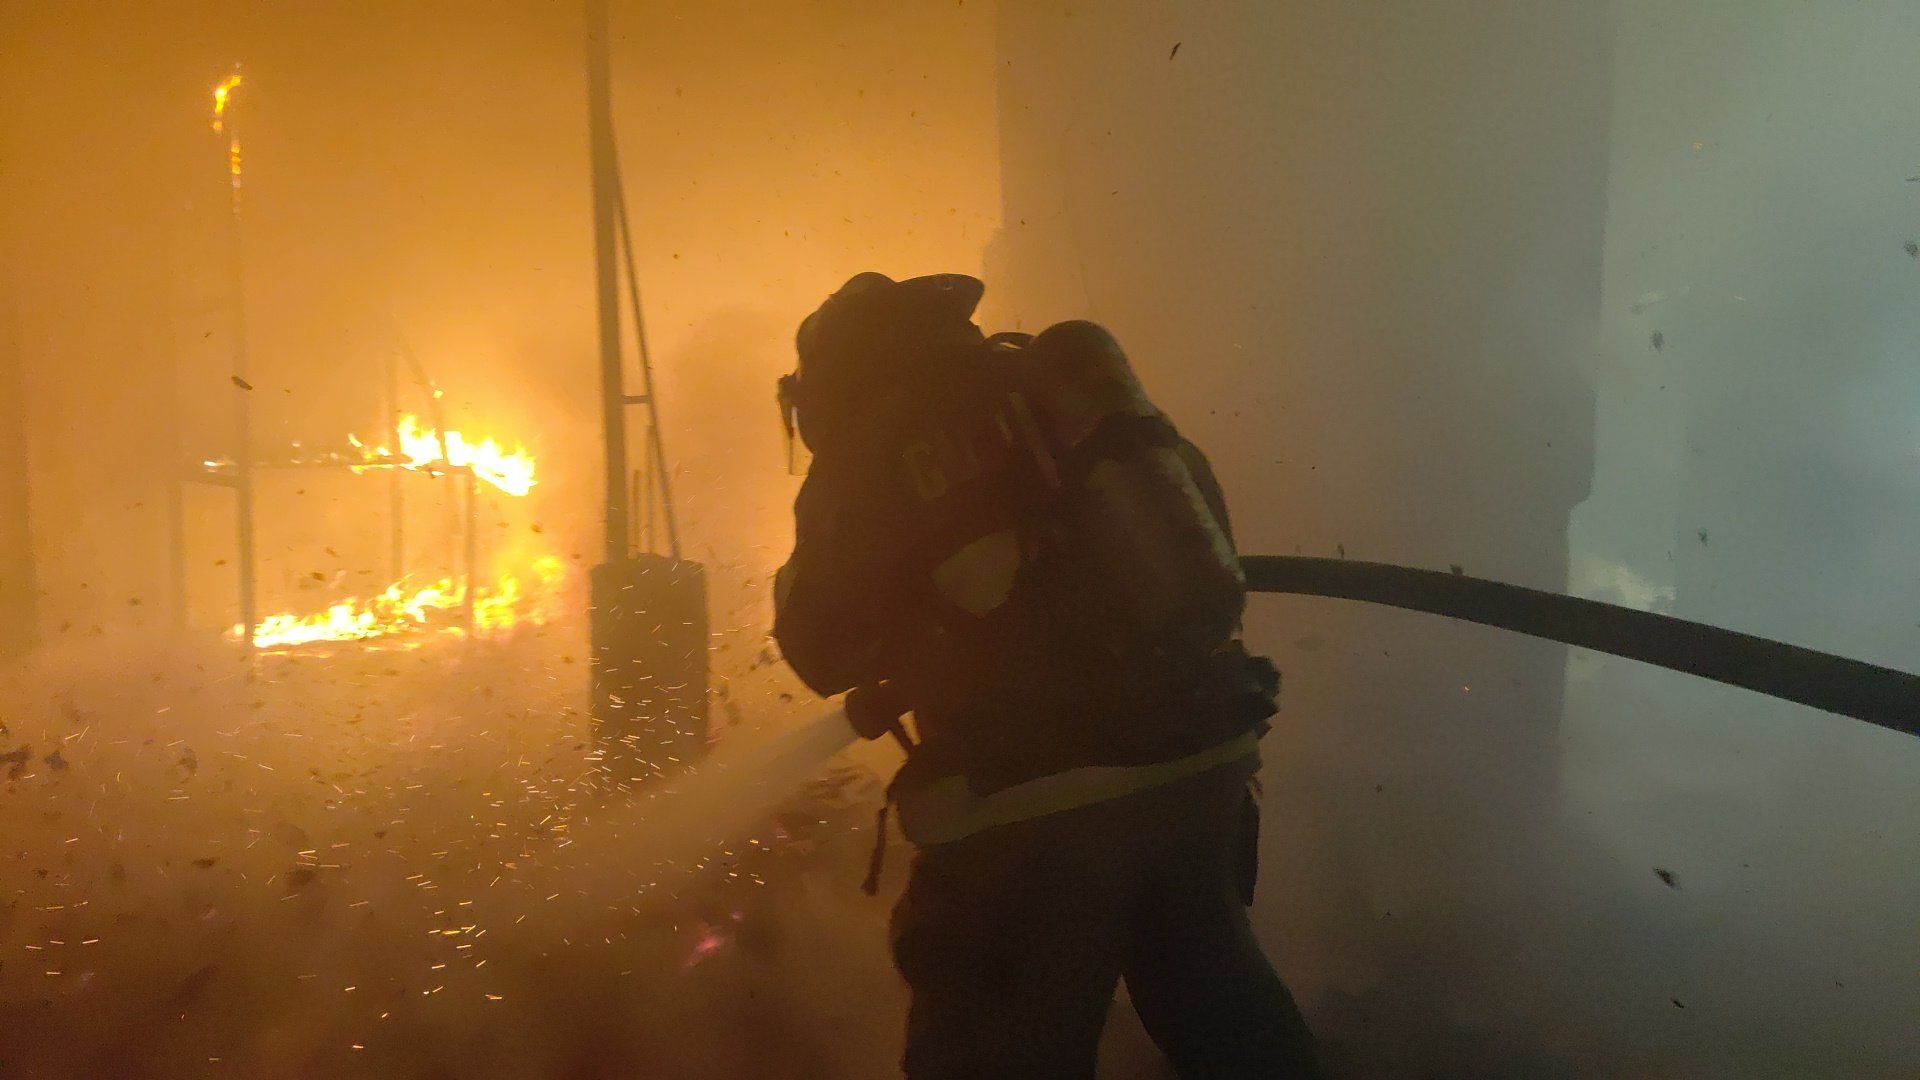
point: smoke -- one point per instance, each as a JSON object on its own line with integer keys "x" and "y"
{"x": 299, "y": 869}
{"x": 1589, "y": 295}
{"x": 1610, "y": 296}
{"x": 409, "y": 863}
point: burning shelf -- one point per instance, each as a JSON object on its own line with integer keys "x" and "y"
{"x": 410, "y": 445}
{"x": 461, "y": 604}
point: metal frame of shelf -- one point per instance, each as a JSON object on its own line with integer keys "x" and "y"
{"x": 245, "y": 524}
{"x": 238, "y": 476}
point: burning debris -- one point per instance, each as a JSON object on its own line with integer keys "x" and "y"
{"x": 424, "y": 449}
{"x": 521, "y": 595}
{"x": 505, "y": 604}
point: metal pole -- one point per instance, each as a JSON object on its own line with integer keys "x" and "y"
{"x": 176, "y": 505}
{"x": 454, "y": 525}
{"x": 653, "y": 466}
{"x": 243, "y": 394}
{"x": 648, "y": 628}
{"x": 636, "y": 498}
{"x": 655, "y": 446}
{"x": 17, "y": 604}
{"x": 396, "y": 496}
{"x": 466, "y": 594}
{"x": 606, "y": 188}
{"x": 177, "y": 541}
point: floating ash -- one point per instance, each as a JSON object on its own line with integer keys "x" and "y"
{"x": 511, "y": 600}
{"x": 667, "y": 832}
{"x": 406, "y": 864}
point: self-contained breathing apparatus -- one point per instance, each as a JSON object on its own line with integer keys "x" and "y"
{"x": 1039, "y": 495}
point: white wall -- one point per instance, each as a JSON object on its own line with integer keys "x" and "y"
{"x": 1757, "y": 470}
{"x": 1379, "y": 259}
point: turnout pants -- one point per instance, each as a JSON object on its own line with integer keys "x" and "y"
{"x": 1012, "y": 941}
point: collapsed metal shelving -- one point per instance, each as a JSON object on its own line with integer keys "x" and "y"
{"x": 239, "y": 475}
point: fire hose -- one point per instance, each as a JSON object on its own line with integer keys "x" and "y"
{"x": 1882, "y": 696}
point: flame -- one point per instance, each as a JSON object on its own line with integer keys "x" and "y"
{"x": 427, "y": 450}
{"x": 392, "y": 611}
{"x": 220, "y": 94}
{"x": 519, "y": 597}
{"x": 506, "y": 603}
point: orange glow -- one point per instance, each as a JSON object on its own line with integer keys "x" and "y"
{"x": 521, "y": 596}
{"x": 513, "y": 599}
{"x": 223, "y": 94}
{"x": 393, "y": 611}
{"x": 220, "y": 94}
{"x": 426, "y": 450}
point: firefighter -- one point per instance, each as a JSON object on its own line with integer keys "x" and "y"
{"x": 1003, "y": 536}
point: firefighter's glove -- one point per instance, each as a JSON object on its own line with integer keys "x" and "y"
{"x": 875, "y": 711}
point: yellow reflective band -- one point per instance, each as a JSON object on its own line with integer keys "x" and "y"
{"x": 947, "y": 809}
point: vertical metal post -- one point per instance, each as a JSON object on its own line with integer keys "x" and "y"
{"x": 606, "y": 185}
{"x": 455, "y": 525}
{"x": 176, "y": 531}
{"x": 396, "y": 496}
{"x": 652, "y": 458}
{"x": 654, "y": 444}
{"x": 648, "y": 626}
{"x": 176, "y": 505}
{"x": 243, "y": 395}
{"x": 17, "y": 599}
{"x": 638, "y": 500}
{"x": 472, "y": 540}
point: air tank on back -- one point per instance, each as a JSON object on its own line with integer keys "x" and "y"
{"x": 1163, "y": 563}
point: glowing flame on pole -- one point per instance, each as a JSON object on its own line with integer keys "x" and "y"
{"x": 221, "y": 95}
{"x": 242, "y": 409}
